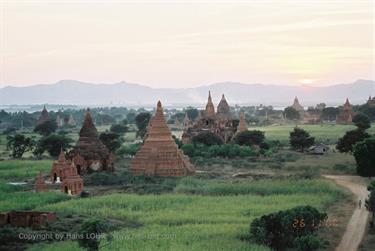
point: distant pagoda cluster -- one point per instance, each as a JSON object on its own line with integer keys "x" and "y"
{"x": 159, "y": 155}
{"x": 67, "y": 120}
{"x": 221, "y": 123}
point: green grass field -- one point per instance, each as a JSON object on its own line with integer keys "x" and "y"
{"x": 195, "y": 222}
{"x": 19, "y": 170}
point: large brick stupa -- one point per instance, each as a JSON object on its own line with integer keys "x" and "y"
{"x": 159, "y": 154}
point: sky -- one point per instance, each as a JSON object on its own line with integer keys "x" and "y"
{"x": 185, "y": 44}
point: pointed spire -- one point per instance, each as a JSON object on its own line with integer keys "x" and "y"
{"x": 223, "y": 109}
{"x": 88, "y": 128}
{"x": 210, "y": 109}
{"x": 242, "y": 125}
{"x": 61, "y": 157}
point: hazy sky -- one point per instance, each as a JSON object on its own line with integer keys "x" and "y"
{"x": 170, "y": 44}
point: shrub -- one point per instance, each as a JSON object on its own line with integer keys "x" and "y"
{"x": 207, "y": 138}
{"x": 130, "y": 150}
{"x": 281, "y": 229}
{"x": 249, "y": 138}
{"x": 307, "y": 243}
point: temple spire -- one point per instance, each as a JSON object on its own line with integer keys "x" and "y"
{"x": 210, "y": 109}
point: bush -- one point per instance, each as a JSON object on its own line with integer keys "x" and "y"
{"x": 225, "y": 151}
{"x": 307, "y": 243}
{"x": 208, "y": 139}
{"x": 249, "y": 138}
{"x": 280, "y": 230}
{"x": 130, "y": 150}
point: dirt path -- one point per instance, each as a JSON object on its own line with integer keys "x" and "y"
{"x": 356, "y": 227}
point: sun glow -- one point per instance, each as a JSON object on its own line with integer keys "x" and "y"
{"x": 306, "y": 81}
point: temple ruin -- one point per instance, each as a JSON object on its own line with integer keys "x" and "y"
{"x": 242, "y": 125}
{"x": 220, "y": 123}
{"x": 90, "y": 154}
{"x": 297, "y": 106}
{"x": 159, "y": 154}
{"x": 33, "y": 219}
{"x": 40, "y": 184}
{"x": 346, "y": 114}
{"x": 44, "y": 117}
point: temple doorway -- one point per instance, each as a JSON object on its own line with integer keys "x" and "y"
{"x": 79, "y": 169}
{"x": 54, "y": 177}
{"x": 66, "y": 189}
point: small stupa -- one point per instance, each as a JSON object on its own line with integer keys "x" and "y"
{"x": 159, "y": 154}
{"x": 242, "y": 125}
{"x": 346, "y": 114}
{"x": 40, "y": 184}
{"x": 223, "y": 110}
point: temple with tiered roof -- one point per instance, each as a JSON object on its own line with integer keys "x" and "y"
{"x": 90, "y": 154}
{"x": 159, "y": 155}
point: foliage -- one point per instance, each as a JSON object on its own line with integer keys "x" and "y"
{"x": 370, "y": 202}
{"x": 364, "y": 154}
{"x": 226, "y": 151}
{"x": 300, "y": 139}
{"x": 118, "y": 128}
{"x": 329, "y": 113}
{"x": 130, "y": 149}
{"x": 52, "y": 144}
{"x": 91, "y": 231}
{"x": 192, "y": 113}
{"x": 281, "y": 229}
{"x": 207, "y": 138}
{"x": 141, "y": 120}
{"x": 346, "y": 143}
{"x": 111, "y": 140}
{"x": 291, "y": 113}
{"x": 307, "y": 243}
{"x": 9, "y": 130}
{"x": 46, "y": 128}
{"x": 19, "y": 144}
{"x": 362, "y": 121}
{"x": 249, "y": 138}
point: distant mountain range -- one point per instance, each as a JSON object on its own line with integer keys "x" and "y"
{"x": 67, "y": 92}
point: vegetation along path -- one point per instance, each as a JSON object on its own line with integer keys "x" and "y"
{"x": 356, "y": 227}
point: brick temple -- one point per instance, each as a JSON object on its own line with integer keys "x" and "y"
{"x": 297, "y": 106}
{"x": 44, "y": 117}
{"x": 242, "y": 125}
{"x": 346, "y": 114}
{"x": 159, "y": 154}
{"x": 40, "y": 184}
{"x": 220, "y": 123}
{"x": 65, "y": 171}
{"x": 33, "y": 219}
{"x": 90, "y": 154}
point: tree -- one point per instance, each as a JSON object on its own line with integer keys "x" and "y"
{"x": 111, "y": 140}
{"x": 46, "y": 128}
{"x": 370, "y": 201}
{"x": 192, "y": 113}
{"x": 19, "y": 144}
{"x": 207, "y": 138}
{"x": 91, "y": 232}
{"x": 249, "y": 138}
{"x": 291, "y": 113}
{"x": 52, "y": 144}
{"x": 364, "y": 154}
{"x": 300, "y": 139}
{"x": 141, "y": 120}
{"x": 346, "y": 143}
{"x": 130, "y": 117}
{"x": 329, "y": 113}
{"x": 118, "y": 128}
{"x": 362, "y": 121}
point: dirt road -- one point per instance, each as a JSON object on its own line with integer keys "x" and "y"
{"x": 357, "y": 224}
